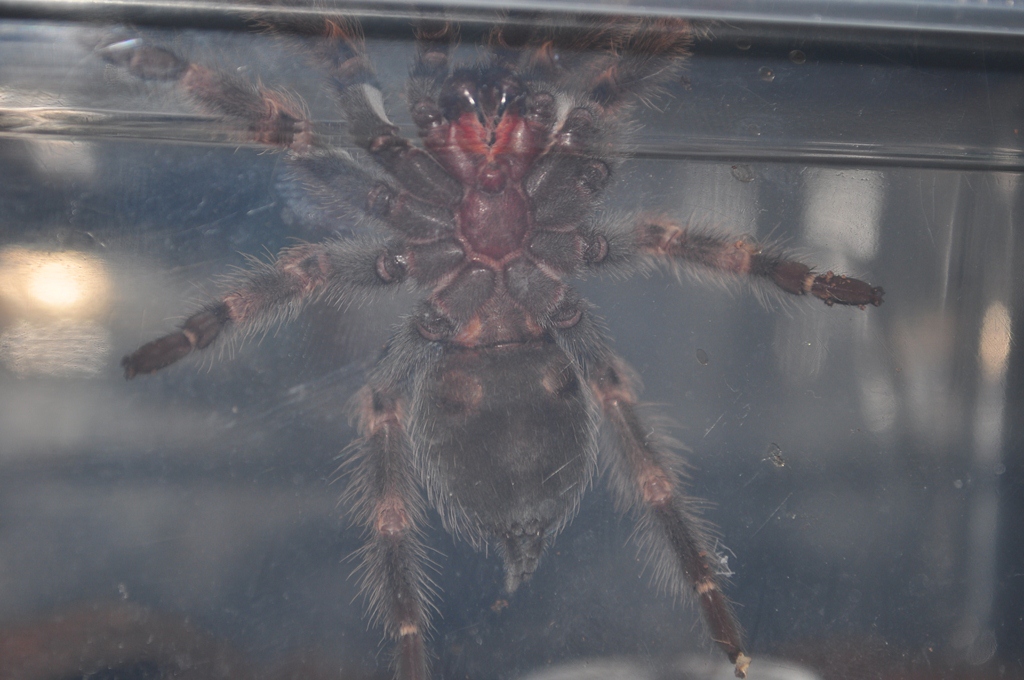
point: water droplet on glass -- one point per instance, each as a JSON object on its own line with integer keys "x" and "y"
{"x": 743, "y": 45}
{"x": 797, "y": 57}
{"x": 702, "y": 357}
{"x": 766, "y": 74}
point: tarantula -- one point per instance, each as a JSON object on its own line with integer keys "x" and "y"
{"x": 489, "y": 397}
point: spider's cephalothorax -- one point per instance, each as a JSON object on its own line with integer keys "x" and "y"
{"x": 489, "y": 397}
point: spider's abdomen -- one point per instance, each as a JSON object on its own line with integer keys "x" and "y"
{"x": 507, "y": 443}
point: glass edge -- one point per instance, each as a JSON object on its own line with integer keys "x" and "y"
{"x": 941, "y": 17}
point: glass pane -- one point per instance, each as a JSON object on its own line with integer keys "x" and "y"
{"x": 856, "y": 471}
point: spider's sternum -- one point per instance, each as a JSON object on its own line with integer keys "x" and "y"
{"x": 494, "y": 225}
{"x": 490, "y": 160}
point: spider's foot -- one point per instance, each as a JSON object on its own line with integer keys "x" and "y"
{"x": 742, "y": 664}
{"x": 198, "y": 331}
{"x": 838, "y": 289}
{"x": 155, "y": 355}
{"x": 143, "y": 60}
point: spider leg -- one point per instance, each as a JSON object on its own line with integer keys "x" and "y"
{"x": 647, "y": 53}
{"x": 389, "y": 509}
{"x": 555, "y": 52}
{"x": 566, "y": 182}
{"x": 415, "y": 169}
{"x": 665, "y": 241}
{"x": 265, "y": 293}
{"x": 384, "y": 495}
{"x": 435, "y": 41}
{"x": 431, "y": 66}
{"x": 520, "y": 46}
{"x": 336, "y": 46}
{"x": 342, "y": 185}
{"x": 611, "y": 61}
{"x": 645, "y": 477}
{"x": 532, "y": 44}
{"x": 273, "y": 118}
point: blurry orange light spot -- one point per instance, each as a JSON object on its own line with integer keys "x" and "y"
{"x": 53, "y": 283}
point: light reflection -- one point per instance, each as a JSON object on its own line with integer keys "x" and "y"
{"x": 927, "y": 351}
{"x": 843, "y": 213}
{"x": 63, "y": 348}
{"x": 879, "y": 402}
{"x": 54, "y": 285}
{"x": 70, "y": 160}
{"x": 67, "y": 283}
{"x": 51, "y": 302}
{"x": 976, "y": 637}
{"x": 994, "y": 341}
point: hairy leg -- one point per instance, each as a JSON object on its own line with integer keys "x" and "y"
{"x": 386, "y": 501}
{"x": 417, "y": 198}
{"x": 388, "y": 505}
{"x": 272, "y": 117}
{"x": 344, "y": 271}
{"x": 664, "y": 241}
{"x": 336, "y": 46}
{"x": 612, "y": 61}
{"x": 646, "y": 478}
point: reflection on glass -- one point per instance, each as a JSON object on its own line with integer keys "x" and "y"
{"x": 51, "y": 302}
{"x": 976, "y": 636}
{"x": 994, "y": 343}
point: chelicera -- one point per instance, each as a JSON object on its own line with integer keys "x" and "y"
{"x": 485, "y": 404}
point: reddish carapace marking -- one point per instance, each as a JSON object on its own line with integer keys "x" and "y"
{"x": 493, "y": 220}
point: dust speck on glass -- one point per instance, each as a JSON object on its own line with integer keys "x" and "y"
{"x": 386, "y": 284}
